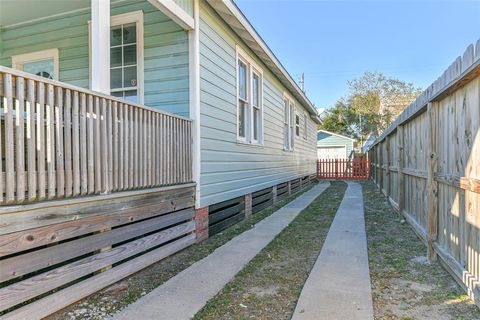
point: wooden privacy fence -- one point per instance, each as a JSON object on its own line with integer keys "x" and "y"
{"x": 343, "y": 169}
{"x": 58, "y": 140}
{"x": 428, "y": 165}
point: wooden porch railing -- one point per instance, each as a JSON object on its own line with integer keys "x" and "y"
{"x": 343, "y": 169}
{"x": 58, "y": 140}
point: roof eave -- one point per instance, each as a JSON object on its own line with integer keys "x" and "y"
{"x": 233, "y": 16}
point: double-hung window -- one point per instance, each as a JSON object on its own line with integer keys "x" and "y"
{"x": 305, "y": 126}
{"x": 250, "y": 100}
{"x": 297, "y": 125}
{"x": 289, "y": 123}
{"x": 242, "y": 99}
{"x": 292, "y": 125}
{"x": 126, "y": 56}
{"x": 286, "y": 124}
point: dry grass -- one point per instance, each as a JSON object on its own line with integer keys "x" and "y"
{"x": 405, "y": 286}
{"x": 269, "y": 286}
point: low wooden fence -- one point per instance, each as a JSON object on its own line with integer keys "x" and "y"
{"x": 343, "y": 169}
{"x": 58, "y": 141}
{"x": 428, "y": 165}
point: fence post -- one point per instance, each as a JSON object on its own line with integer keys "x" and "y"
{"x": 373, "y": 163}
{"x": 380, "y": 164}
{"x": 400, "y": 169}
{"x": 387, "y": 171}
{"x": 432, "y": 185}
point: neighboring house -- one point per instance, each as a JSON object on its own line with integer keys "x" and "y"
{"x": 180, "y": 99}
{"x": 333, "y": 146}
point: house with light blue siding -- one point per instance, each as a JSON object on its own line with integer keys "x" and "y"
{"x": 113, "y": 112}
{"x": 253, "y": 129}
{"x": 332, "y": 145}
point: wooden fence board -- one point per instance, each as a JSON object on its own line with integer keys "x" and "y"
{"x": 22, "y": 291}
{"x": 32, "y": 261}
{"x": 32, "y": 238}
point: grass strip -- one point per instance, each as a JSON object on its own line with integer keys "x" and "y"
{"x": 404, "y": 284}
{"x": 105, "y": 302}
{"x": 270, "y": 285}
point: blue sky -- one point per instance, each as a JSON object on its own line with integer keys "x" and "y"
{"x": 334, "y": 41}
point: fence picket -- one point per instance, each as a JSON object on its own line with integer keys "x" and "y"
{"x": 20, "y": 141}
{"x": 31, "y": 138}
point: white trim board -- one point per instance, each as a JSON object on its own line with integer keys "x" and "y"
{"x": 20, "y": 59}
{"x": 336, "y": 134}
{"x": 174, "y": 12}
{"x": 194, "y": 87}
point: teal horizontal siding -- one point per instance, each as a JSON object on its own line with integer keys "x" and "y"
{"x": 186, "y": 5}
{"x": 325, "y": 140}
{"x": 230, "y": 169}
{"x": 166, "y": 57}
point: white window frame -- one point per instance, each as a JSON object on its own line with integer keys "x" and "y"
{"x": 297, "y": 125}
{"x": 289, "y": 134}
{"x": 305, "y": 126}
{"x": 286, "y": 123}
{"x": 126, "y": 18}
{"x": 252, "y": 68}
{"x": 20, "y": 59}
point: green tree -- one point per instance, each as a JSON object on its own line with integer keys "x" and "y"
{"x": 372, "y": 103}
{"x": 338, "y": 119}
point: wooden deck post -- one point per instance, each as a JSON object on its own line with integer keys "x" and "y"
{"x": 248, "y": 205}
{"x": 401, "y": 183}
{"x": 432, "y": 185}
{"x": 274, "y": 194}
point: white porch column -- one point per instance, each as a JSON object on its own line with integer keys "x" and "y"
{"x": 194, "y": 74}
{"x": 100, "y": 41}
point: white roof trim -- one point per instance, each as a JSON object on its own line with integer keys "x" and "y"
{"x": 336, "y": 134}
{"x": 174, "y": 12}
{"x": 232, "y": 15}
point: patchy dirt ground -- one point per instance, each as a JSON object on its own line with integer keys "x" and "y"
{"x": 404, "y": 284}
{"x": 119, "y": 295}
{"x": 269, "y": 286}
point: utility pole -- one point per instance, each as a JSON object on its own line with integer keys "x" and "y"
{"x": 302, "y": 81}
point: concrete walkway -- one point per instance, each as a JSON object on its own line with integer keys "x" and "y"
{"x": 338, "y": 286}
{"x": 185, "y": 294}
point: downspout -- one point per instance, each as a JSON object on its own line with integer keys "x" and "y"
{"x": 194, "y": 84}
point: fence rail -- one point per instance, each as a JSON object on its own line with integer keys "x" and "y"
{"x": 427, "y": 163}
{"x": 58, "y": 140}
{"x": 343, "y": 169}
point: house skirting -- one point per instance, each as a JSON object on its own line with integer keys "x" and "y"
{"x": 219, "y": 216}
